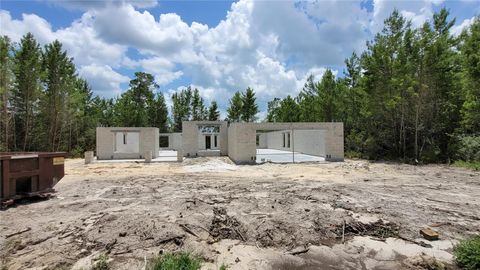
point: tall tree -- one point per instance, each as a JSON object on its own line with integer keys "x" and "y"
{"x": 5, "y": 91}
{"x": 272, "y": 110}
{"x": 470, "y": 48}
{"x": 135, "y": 107}
{"x": 181, "y": 109}
{"x": 327, "y": 96}
{"x": 198, "y": 108}
{"x": 249, "y": 106}
{"x": 27, "y": 89}
{"x": 59, "y": 82}
{"x": 213, "y": 113}
{"x": 288, "y": 111}
{"x": 234, "y": 111}
{"x": 159, "y": 113}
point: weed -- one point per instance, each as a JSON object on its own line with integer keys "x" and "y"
{"x": 467, "y": 253}
{"x": 223, "y": 267}
{"x": 101, "y": 263}
{"x": 475, "y": 165}
{"x": 172, "y": 261}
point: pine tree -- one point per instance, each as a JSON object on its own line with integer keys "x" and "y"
{"x": 59, "y": 80}
{"x": 198, "y": 108}
{"x": 181, "y": 108}
{"x": 249, "y": 106}
{"x": 213, "y": 113}
{"x": 159, "y": 113}
{"x": 234, "y": 111}
{"x": 6, "y": 79}
{"x": 470, "y": 48}
{"x": 27, "y": 90}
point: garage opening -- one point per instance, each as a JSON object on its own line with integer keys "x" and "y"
{"x": 290, "y": 146}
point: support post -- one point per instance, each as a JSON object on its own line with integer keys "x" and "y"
{"x": 293, "y": 146}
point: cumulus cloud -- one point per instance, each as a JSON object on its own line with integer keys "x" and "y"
{"x": 457, "y": 29}
{"x": 98, "y": 4}
{"x": 270, "y": 46}
{"x": 103, "y": 79}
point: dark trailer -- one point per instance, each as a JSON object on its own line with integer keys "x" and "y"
{"x": 27, "y": 174}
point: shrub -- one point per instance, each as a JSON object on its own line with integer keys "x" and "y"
{"x": 468, "y": 148}
{"x": 101, "y": 263}
{"x": 171, "y": 261}
{"x": 467, "y": 253}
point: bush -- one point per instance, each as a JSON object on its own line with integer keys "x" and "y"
{"x": 170, "y": 261}
{"x": 475, "y": 165}
{"x": 101, "y": 263}
{"x": 467, "y": 253}
{"x": 468, "y": 148}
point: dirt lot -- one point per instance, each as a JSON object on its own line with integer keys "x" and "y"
{"x": 248, "y": 217}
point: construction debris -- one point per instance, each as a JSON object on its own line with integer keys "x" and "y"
{"x": 429, "y": 234}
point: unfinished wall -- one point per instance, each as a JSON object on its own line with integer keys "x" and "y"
{"x": 310, "y": 142}
{"x": 108, "y": 137}
{"x": 275, "y": 140}
{"x": 174, "y": 141}
{"x": 242, "y": 137}
{"x": 190, "y": 137}
{"x": 127, "y": 142}
{"x": 262, "y": 140}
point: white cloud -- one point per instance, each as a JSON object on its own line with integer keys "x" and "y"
{"x": 98, "y": 4}
{"x": 457, "y": 29}
{"x": 81, "y": 42}
{"x": 270, "y": 46}
{"x": 103, "y": 79}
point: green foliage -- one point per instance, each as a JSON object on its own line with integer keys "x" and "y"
{"x": 470, "y": 57}
{"x": 199, "y": 112}
{"x": 249, "y": 106}
{"x": 6, "y": 77}
{"x": 243, "y": 107}
{"x": 175, "y": 261}
{"x": 467, "y": 253}
{"x": 468, "y": 148}
{"x": 410, "y": 95}
{"x": 101, "y": 263}
{"x": 474, "y": 165}
{"x": 188, "y": 105}
{"x": 234, "y": 111}
{"x": 26, "y": 91}
{"x": 213, "y": 113}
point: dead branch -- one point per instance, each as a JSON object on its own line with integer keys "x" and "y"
{"x": 299, "y": 251}
{"x": 188, "y": 230}
{"x": 17, "y": 233}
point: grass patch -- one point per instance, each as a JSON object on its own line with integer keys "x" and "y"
{"x": 101, "y": 263}
{"x": 467, "y": 253}
{"x": 474, "y": 165}
{"x": 171, "y": 261}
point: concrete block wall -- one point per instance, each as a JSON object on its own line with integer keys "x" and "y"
{"x": 242, "y": 138}
{"x": 275, "y": 140}
{"x": 310, "y": 142}
{"x": 174, "y": 141}
{"x": 106, "y": 137}
{"x": 190, "y": 134}
{"x": 242, "y": 147}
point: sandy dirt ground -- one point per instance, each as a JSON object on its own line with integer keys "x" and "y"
{"x": 349, "y": 215}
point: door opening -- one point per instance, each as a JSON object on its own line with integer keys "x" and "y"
{"x": 208, "y": 142}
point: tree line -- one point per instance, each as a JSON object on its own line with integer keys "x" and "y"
{"x": 413, "y": 94}
{"x": 47, "y": 106}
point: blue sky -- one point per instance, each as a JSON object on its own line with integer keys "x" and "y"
{"x": 217, "y": 46}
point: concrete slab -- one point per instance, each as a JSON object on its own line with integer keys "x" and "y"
{"x": 163, "y": 155}
{"x": 280, "y": 156}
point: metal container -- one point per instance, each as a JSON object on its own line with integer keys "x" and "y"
{"x": 26, "y": 174}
